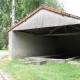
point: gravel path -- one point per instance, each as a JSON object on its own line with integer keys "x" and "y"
{"x": 3, "y": 76}
{"x": 3, "y": 53}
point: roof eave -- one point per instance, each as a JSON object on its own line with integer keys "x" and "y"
{"x": 38, "y": 9}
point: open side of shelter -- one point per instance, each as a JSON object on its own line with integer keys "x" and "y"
{"x": 46, "y": 31}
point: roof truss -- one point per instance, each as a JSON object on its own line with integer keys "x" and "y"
{"x": 66, "y": 30}
{"x": 55, "y": 32}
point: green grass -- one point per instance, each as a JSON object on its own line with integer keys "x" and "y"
{"x": 48, "y": 71}
{"x": 4, "y": 50}
{"x": 6, "y": 56}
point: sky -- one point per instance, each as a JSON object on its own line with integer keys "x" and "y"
{"x": 72, "y": 6}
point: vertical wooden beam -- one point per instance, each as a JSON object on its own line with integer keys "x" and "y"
{"x": 65, "y": 29}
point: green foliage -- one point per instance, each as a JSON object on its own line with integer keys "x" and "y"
{"x": 5, "y": 9}
{"x": 3, "y": 40}
{"x": 1, "y": 45}
{"x": 55, "y": 4}
{"x": 22, "y": 8}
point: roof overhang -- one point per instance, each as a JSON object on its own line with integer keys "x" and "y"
{"x": 67, "y": 30}
{"x": 45, "y": 8}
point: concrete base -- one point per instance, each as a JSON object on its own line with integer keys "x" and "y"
{"x": 3, "y": 76}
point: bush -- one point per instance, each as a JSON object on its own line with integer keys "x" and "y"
{"x": 1, "y": 43}
{"x": 1, "y": 46}
{"x": 5, "y": 48}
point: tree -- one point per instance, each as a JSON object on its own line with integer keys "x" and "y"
{"x": 5, "y": 22}
{"x": 5, "y": 10}
{"x": 22, "y": 8}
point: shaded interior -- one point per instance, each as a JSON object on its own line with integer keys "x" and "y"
{"x": 66, "y": 46}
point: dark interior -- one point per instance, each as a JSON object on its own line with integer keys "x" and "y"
{"x": 68, "y": 46}
{"x": 67, "y": 39}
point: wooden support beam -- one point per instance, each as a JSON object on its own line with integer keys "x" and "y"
{"x": 55, "y": 29}
{"x": 62, "y": 34}
{"x": 75, "y": 27}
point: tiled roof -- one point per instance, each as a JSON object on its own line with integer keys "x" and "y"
{"x": 46, "y": 8}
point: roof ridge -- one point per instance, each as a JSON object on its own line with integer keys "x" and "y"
{"x": 56, "y": 11}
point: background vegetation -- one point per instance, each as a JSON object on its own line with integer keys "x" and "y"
{"x": 22, "y": 8}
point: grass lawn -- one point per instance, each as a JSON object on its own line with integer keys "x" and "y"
{"x": 48, "y": 71}
{"x": 3, "y": 50}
